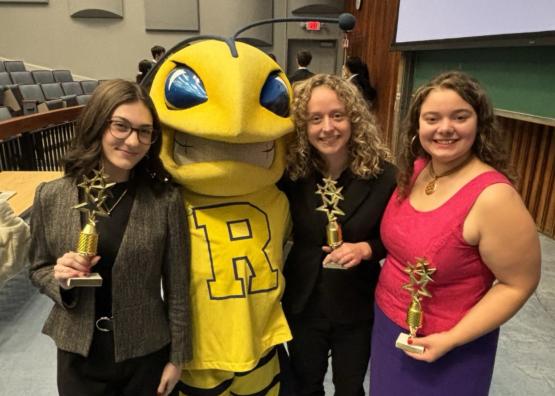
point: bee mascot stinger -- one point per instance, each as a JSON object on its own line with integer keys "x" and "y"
{"x": 224, "y": 106}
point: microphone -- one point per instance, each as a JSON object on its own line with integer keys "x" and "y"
{"x": 346, "y": 21}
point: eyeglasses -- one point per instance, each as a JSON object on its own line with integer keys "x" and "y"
{"x": 121, "y": 129}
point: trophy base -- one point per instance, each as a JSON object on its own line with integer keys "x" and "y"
{"x": 402, "y": 343}
{"x": 334, "y": 266}
{"x": 93, "y": 280}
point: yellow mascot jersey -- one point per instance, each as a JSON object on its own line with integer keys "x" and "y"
{"x": 236, "y": 279}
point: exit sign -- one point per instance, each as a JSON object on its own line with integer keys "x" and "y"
{"x": 313, "y": 25}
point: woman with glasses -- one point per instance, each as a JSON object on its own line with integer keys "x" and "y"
{"x": 124, "y": 337}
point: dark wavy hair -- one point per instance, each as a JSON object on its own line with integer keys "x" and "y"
{"x": 366, "y": 150}
{"x": 85, "y": 151}
{"x": 361, "y": 78}
{"x": 303, "y": 58}
{"x": 488, "y": 145}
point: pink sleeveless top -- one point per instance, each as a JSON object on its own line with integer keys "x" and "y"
{"x": 461, "y": 278}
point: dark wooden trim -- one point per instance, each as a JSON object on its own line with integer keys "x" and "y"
{"x": 531, "y": 149}
{"x": 18, "y": 125}
{"x": 371, "y": 40}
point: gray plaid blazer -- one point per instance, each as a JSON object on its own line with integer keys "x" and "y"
{"x": 155, "y": 247}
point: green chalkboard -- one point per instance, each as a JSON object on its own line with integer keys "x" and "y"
{"x": 518, "y": 79}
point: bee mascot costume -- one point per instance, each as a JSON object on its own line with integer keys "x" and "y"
{"x": 224, "y": 106}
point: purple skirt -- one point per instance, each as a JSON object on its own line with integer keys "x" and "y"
{"x": 465, "y": 370}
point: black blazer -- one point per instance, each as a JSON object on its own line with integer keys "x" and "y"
{"x": 344, "y": 295}
{"x": 299, "y": 75}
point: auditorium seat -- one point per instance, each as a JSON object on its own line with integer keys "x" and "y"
{"x": 88, "y": 86}
{"x": 62, "y": 75}
{"x": 11, "y": 96}
{"x": 83, "y": 99}
{"x": 22, "y": 77}
{"x": 43, "y": 76}
{"x": 33, "y": 97}
{"x": 5, "y": 113}
{"x": 54, "y": 91}
{"x": 5, "y": 79}
{"x": 2, "y": 67}
{"x": 72, "y": 88}
{"x": 14, "y": 66}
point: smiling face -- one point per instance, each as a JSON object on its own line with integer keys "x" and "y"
{"x": 119, "y": 156}
{"x": 447, "y": 126}
{"x": 223, "y": 117}
{"x": 328, "y": 126}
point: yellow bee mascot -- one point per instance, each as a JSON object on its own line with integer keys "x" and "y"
{"x": 224, "y": 106}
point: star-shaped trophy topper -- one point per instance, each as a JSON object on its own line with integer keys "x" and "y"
{"x": 420, "y": 274}
{"x": 96, "y": 192}
{"x": 331, "y": 195}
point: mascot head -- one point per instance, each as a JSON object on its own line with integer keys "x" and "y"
{"x": 224, "y": 107}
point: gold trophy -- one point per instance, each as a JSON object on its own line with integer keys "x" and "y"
{"x": 331, "y": 195}
{"x": 419, "y": 275}
{"x": 95, "y": 190}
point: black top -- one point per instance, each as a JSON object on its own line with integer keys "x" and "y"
{"x": 110, "y": 234}
{"x": 343, "y": 295}
{"x": 299, "y": 75}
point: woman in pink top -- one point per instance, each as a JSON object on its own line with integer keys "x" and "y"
{"x": 456, "y": 208}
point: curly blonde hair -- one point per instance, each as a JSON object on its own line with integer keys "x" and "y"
{"x": 488, "y": 146}
{"x": 366, "y": 150}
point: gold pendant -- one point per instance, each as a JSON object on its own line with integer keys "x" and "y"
{"x": 431, "y": 187}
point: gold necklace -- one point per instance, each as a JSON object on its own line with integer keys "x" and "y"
{"x": 109, "y": 211}
{"x": 431, "y": 186}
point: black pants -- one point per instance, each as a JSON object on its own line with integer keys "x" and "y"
{"x": 99, "y": 375}
{"x": 313, "y": 337}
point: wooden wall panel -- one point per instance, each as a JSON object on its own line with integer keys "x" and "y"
{"x": 532, "y": 153}
{"x": 371, "y": 40}
{"x": 545, "y": 216}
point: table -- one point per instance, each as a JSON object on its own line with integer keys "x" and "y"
{"x": 24, "y": 184}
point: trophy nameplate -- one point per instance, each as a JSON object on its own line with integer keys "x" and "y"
{"x": 92, "y": 280}
{"x": 419, "y": 275}
{"x": 402, "y": 342}
{"x": 331, "y": 195}
{"x": 95, "y": 194}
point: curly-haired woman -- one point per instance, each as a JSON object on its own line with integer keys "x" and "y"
{"x": 455, "y": 209}
{"x": 331, "y": 309}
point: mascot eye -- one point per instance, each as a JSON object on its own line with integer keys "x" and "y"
{"x": 184, "y": 89}
{"x": 275, "y": 96}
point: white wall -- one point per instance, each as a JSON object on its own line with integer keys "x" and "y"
{"x": 46, "y": 36}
